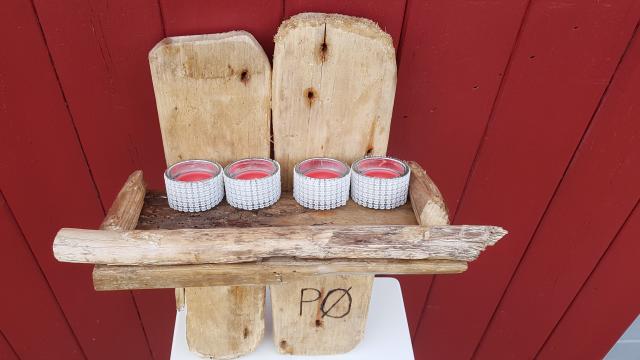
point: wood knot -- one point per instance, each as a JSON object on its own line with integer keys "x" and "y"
{"x": 323, "y": 51}
{"x": 244, "y": 76}
{"x": 310, "y": 94}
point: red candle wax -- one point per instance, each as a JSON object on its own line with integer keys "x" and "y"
{"x": 322, "y": 174}
{"x": 194, "y": 176}
{"x": 251, "y": 175}
{"x": 381, "y": 173}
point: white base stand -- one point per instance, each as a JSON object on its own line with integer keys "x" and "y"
{"x": 386, "y": 336}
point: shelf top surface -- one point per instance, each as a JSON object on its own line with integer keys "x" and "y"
{"x": 156, "y": 214}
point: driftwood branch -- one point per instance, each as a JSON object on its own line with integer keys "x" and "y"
{"x": 426, "y": 199}
{"x": 233, "y": 245}
{"x": 125, "y": 210}
{"x": 267, "y": 272}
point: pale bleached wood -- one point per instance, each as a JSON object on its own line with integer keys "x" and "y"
{"x": 268, "y": 272}
{"x": 235, "y": 245}
{"x": 213, "y": 94}
{"x": 222, "y": 320}
{"x": 334, "y": 80}
{"x": 426, "y": 199}
{"x": 179, "y": 292}
{"x": 125, "y": 210}
{"x": 325, "y": 315}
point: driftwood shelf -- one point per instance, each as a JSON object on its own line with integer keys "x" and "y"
{"x": 227, "y": 246}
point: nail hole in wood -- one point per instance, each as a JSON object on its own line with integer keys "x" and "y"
{"x": 310, "y": 93}
{"x": 369, "y": 150}
{"x": 245, "y": 333}
{"x": 283, "y": 344}
{"x": 532, "y": 57}
{"x": 576, "y": 27}
{"x": 476, "y": 87}
{"x": 244, "y": 76}
{"x": 318, "y": 323}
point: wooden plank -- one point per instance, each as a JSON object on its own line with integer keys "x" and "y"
{"x": 236, "y": 245}
{"x": 522, "y": 161}
{"x": 345, "y": 70}
{"x": 259, "y": 17}
{"x": 450, "y": 66}
{"x": 427, "y": 202}
{"x": 606, "y": 304}
{"x": 156, "y": 214}
{"x": 211, "y": 91}
{"x": 30, "y": 292}
{"x": 594, "y": 199}
{"x": 388, "y": 14}
{"x": 213, "y": 94}
{"x": 335, "y": 82}
{"x": 38, "y": 130}
{"x": 275, "y": 271}
{"x": 125, "y": 210}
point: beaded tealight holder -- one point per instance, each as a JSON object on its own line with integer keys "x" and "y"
{"x": 252, "y": 183}
{"x": 194, "y": 185}
{"x": 321, "y": 183}
{"x": 379, "y": 182}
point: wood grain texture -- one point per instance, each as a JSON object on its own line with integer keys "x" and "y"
{"x": 426, "y": 200}
{"x": 338, "y": 101}
{"x": 235, "y": 245}
{"x": 273, "y": 271}
{"x": 213, "y": 95}
{"x": 592, "y": 203}
{"x": 125, "y": 210}
{"x": 322, "y": 316}
{"x": 549, "y": 131}
{"x": 56, "y": 187}
{"x": 212, "y": 91}
{"x": 224, "y": 321}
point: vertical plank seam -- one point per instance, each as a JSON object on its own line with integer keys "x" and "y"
{"x": 6, "y": 340}
{"x": 506, "y": 71}
{"x": 595, "y": 268}
{"x": 66, "y": 105}
{"x": 570, "y": 164}
{"x": 405, "y": 21}
{"x": 84, "y": 157}
{"x": 42, "y": 273}
{"x": 161, "y": 13}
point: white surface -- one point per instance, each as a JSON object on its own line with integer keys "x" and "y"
{"x": 386, "y": 336}
{"x": 628, "y": 347}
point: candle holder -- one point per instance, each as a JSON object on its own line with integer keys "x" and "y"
{"x": 380, "y": 182}
{"x": 321, "y": 183}
{"x": 194, "y": 185}
{"x": 252, "y": 184}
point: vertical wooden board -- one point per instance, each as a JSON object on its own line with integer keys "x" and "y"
{"x": 100, "y": 51}
{"x": 606, "y": 304}
{"x": 388, "y": 14}
{"x": 594, "y": 199}
{"x": 535, "y": 128}
{"x": 451, "y": 63}
{"x": 333, "y": 88}
{"x": 339, "y": 100}
{"x": 312, "y": 316}
{"x": 48, "y": 185}
{"x": 233, "y": 314}
{"x": 260, "y": 18}
{"x": 213, "y": 95}
{"x": 30, "y": 300}
{"x": 6, "y": 351}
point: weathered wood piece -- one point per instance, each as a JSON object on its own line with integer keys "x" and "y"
{"x": 426, "y": 200}
{"x": 268, "y": 272}
{"x": 334, "y": 80}
{"x": 236, "y": 245}
{"x": 125, "y": 210}
{"x": 213, "y": 94}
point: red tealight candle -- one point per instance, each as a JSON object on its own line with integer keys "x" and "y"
{"x": 194, "y": 176}
{"x": 321, "y": 183}
{"x": 252, "y": 183}
{"x": 194, "y": 185}
{"x": 379, "y": 182}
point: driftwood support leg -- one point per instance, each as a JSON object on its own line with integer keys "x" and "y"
{"x": 213, "y": 95}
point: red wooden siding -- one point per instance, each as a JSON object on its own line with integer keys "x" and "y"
{"x": 525, "y": 112}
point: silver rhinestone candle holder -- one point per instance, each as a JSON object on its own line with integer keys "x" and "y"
{"x": 194, "y": 185}
{"x": 321, "y": 183}
{"x": 380, "y": 182}
{"x": 252, "y": 184}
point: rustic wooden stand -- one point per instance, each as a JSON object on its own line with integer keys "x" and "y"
{"x": 331, "y": 95}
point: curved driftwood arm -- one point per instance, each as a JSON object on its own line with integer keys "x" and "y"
{"x": 426, "y": 200}
{"x": 233, "y": 245}
{"x": 126, "y": 208}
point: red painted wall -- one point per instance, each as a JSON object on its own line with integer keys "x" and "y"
{"x": 524, "y": 112}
